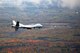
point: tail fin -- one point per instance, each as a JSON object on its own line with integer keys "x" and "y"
{"x": 13, "y": 23}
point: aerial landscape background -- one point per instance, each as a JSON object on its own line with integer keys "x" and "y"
{"x": 60, "y": 32}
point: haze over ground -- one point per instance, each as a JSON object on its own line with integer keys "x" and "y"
{"x": 55, "y": 10}
{"x": 40, "y": 11}
{"x": 60, "y": 32}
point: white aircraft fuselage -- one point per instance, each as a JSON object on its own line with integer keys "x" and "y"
{"x": 38, "y": 25}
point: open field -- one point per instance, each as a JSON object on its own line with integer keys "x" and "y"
{"x": 45, "y": 40}
{"x": 60, "y": 32}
